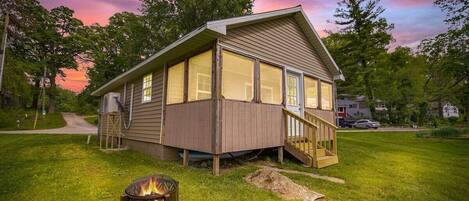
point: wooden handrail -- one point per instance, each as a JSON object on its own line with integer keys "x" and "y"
{"x": 300, "y": 134}
{"x": 326, "y": 132}
{"x": 300, "y": 118}
{"x": 321, "y": 119}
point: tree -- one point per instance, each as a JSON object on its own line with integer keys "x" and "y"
{"x": 62, "y": 46}
{"x": 51, "y": 40}
{"x": 400, "y": 86}
{"x": 117, "y": 47}
{"x": 448, "y": 57}
{"x": 20, "y": 65}
{"x": 358, "y": 45}
{"x": 128, "y": 39}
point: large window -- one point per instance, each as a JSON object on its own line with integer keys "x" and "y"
{"x": 200, "y": 74}
{"x": 237, "y": 77}
{"x": 175, "y": 93}
{"x": 311, "y": 92}
{"x": 271, "y": 84}
{"x": 326, "y": 96}
{"x": 146, "y": 88}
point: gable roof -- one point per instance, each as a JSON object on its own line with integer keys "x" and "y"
{"x": 209, "y": 32}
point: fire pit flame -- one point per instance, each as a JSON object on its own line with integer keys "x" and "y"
{"x": 155, "y": 187}
{"x": 151, "y": 187}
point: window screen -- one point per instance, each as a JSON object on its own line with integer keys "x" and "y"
{"x": 271, "y": 84}
{"x": 326, "y": 96}
{"x": 311, "y": 92}
{"x": 175, "y": 86}
{"x": 237, "y": 77}
{"x": 146, "y": 88}
{"x": 200, "y": 76}
{"x": 292, "y": 89}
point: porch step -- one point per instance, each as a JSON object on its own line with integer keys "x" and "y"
{"x": 325, "y": 161}
{"x": 320, "y": 151}
{"x": 307, "y": 157}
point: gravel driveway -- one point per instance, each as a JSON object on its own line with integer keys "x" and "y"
{"x": 75, "y": 125}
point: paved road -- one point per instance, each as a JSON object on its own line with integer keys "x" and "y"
{"x": 75, "y": 125}
{"x": 387, "y": 129}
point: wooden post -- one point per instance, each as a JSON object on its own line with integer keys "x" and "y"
{"x": 185, "y": 158}
{"x": 280, "y": 155}
{"x": 216, "y": 165}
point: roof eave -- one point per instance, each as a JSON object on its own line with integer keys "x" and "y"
{"x": 111, "y": 84}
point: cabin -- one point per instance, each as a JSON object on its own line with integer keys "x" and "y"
{"x": 261, "y": 81}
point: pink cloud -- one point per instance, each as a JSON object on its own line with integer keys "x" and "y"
{"x": 410, "y": 3}
{"x": 75, "y": 80}
{"x": 92, "y": 11}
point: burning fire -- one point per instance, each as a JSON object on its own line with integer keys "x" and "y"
{"x": 150, "y": 187}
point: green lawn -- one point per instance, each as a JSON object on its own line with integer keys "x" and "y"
{"x": 92, "y": 120}
{"x": 50, "y": 120}
{"x": 376, "y": 166}
{"x": 395, "y": 166}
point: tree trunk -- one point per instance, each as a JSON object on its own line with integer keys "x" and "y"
{"x": 466, "y": 114}
{"x": 36, "y": 94}
{"x": 440, "y": 110}
{"x": 369, "y": 93}
{"x": 52, "y": 93}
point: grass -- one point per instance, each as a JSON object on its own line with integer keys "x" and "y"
{"x": 60, "y": 167}
{"x": 8, "y": 121}
{"x": 395, "y": 166}
{"x": 376, "y": 166}
{"x": 92, "y": 120}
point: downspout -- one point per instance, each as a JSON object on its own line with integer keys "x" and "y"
{"x": 129, "y": 122}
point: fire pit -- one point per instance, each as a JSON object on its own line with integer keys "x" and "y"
{"x": 152, "y": 188}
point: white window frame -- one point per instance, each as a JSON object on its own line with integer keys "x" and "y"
{"x": 144, "y": 100}
{"x": 197, "y": 86}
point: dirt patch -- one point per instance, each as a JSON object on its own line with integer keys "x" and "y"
{"x": 283, "y": 186}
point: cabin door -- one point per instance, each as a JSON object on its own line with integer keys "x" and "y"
{"x": 294, "y": 94}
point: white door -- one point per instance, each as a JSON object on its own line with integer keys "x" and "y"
{"x": 293, "y": 93}
{"x": 294, "y": 102}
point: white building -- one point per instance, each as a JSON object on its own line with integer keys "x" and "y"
{"x": 450, "y": 111}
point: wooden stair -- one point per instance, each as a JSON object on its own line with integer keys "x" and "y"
{"x": 324, "y": 157}
{"x": 311, "y": 140}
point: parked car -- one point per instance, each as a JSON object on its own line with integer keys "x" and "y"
{"x": 366, "y": 123}
{"x": 346, "y": 123}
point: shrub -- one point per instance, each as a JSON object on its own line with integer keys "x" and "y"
{"x": 452, "y": 120}
{"x": 441, "y": 132}
{"x": 445, "y": 132}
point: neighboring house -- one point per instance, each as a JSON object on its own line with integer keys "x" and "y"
{"x": 352, "y": 107}
{"x": 232, "y": 85}
{"x": 355, "y": 107}
{"x": 450, "y": 111}
{"x": 443, "y": 109}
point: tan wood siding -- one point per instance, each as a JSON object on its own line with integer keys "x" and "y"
{"x": 146, "y": 117}
{"x": 327, "y": 115}
{"x": 247, "y": 126}
{"x": 189, "y": 126}
{"x": 281, "y": 41}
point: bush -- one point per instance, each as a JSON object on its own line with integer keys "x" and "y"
{"x": 452, "y": 120}
{"x": 441, "y": 132}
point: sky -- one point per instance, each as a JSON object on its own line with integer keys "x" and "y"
{"x": 414, "y": 20}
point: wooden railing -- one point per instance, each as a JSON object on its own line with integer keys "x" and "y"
{"x": 300, "y": 133}
{"x": 326, "y": 132}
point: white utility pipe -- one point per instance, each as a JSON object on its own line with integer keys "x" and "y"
{"x": 127, "y": 125}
